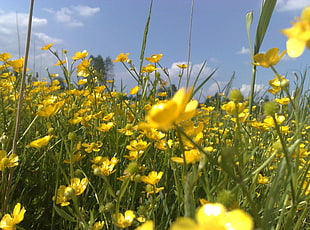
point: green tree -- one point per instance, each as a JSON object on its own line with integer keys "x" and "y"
{"x": 104, "y": 68}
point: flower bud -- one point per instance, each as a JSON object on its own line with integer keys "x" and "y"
{"x": 235, "y": 95}
{"x": 270, "y": 108}
{"x": 71, "y": 136}
{"x": 284, "y": 83}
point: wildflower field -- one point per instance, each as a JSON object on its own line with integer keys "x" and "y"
{"x": 86, "y": 156}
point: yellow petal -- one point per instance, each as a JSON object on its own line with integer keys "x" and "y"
{"x": 295, "y": 47}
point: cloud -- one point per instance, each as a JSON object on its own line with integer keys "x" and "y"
{"x": 13, "y": 27}
{"x": 244, "y": 50}
{"x": 194, "y": 69}
{"x": 47, "y": 39}
{"x": 86, "y": 11}
{"x": 11, "y": 20}
{"x": 290, "y": 5}
{"x": 68, "y": 15}
{"x": 245, "y": 89}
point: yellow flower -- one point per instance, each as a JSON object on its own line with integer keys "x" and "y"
{"x": 262, "y": 179}
{"x": 191, "y": 156}
{"x": 282, "y": 101}
{"x": 82, "y": 82}
{"x": 215, "y": 216}
{"x": 136, "y": 148}
{"x": 93, "y": 147}
{"x": 78, "y": 185}
{"x": 139, "y": 145}
{"x": 5, "y": 56}
{"x": 154, "y": 58}
{"x": 149, "y": 68}
{"x": 61, "y": 62}
{"x": 50, "y": 110}
{"x": 98, "y": 225}
{"x": 47, "y": 47}
{"x": 270, "y": 58}
{"x": 134, "y": 90}
{"x": 122, "y": 221}
{"x": 105, "y": 127}
{"x": 231, "y": 107}
{"x": 148, "y": 225}
{"x": 164, "y": 114}
{"x": 104, "y": 166}
{"x": 76, "y": 188}
{"x": 82, "y": 69}
{"x": 74, "y": 158}
{"x": 7, "y": 162}
{"x": 17, "y": 64}
{"x": 152, "y": 178}
{"x": 298, "y": 35}
{"x": 121, "y": 57}
{"x": 8, "y": 221}
{"x": 39, "y": 143}
{"x": 182, "y": 66}
{"x": 80, "y": 55}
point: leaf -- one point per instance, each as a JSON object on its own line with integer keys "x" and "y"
{"x": 64, "y": 214}
{"x": 264, "y": 19}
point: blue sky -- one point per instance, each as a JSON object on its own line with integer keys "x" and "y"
{"x": 110, "y": 27}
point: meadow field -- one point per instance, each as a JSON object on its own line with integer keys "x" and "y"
{"x": 82, "y": 155}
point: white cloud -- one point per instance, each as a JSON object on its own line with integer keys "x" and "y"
{"x": 13, "y": 27}
{"x": 194, "y": 69}
{"x": 67, "y": 15}
{"x": 245, "y": 89}
{"x": 10, "y": 21}
{"x": 86, "y": 11}
{"x": 244, "y": 50}
{"x": 215, "y": 87}
{"x": 290, "y": 5}
{"x": 47, "y": 39}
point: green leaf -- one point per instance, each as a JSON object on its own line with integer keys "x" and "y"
{"x": 264, "y": 19}
{"x": 64, "y": 214}
{"x": 146, "y": 30}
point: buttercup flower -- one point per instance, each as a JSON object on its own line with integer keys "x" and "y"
{"x": 7, "y": 161}
{"x": 124, "y": 221}
{"x": 80, "y": 55}
{"x": 191, "y": 157}
{"x": 17, "y": 64}
{"x": 65, "y": 193}
{"x": 47, "y": 47}
{"x": 270, "y": 58}
{"x": 215, "y": 216}
{"x": 39, "y": 143}
{"x": 5, "y": 56}
{"x": 298, "y": 35}
{"x": 134, "y": 90}
{"x": 148, "y": 225}
{"x": 164, "y": 114}
{"x": 50, "y": 110}
{"x": 154, "y": 58}
{"x": 152, "y": 178}
{"x": 121, "y": 57}
{"x": 182, "y": 66}
{"x": 8, "y": 221}
{"x": 61, "y": 62}
{"x": 82, "y": 69}
{"x": 104, "y": 166}
{"x": 149, "y": 68}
